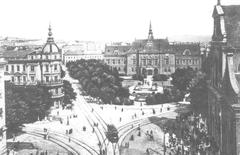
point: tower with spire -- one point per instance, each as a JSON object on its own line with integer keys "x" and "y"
{"x": 150, "y": 33}
{"x": 150, "y": 37}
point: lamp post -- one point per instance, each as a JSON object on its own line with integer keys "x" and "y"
{"x": 164, "y": 146}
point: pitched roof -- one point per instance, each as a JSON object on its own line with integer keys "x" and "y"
{"x": 180, "y": 48}
{"x": 17, "y": 53}
{"x": 232, "y": 24}
{"x": 116, "y": 49}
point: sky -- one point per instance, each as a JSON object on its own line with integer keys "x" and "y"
{"x": 107, "y": 20}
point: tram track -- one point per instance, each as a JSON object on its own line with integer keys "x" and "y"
{"x": 55, "y": 134}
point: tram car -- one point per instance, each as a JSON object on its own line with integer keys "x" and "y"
{"x": 112, "y": 133}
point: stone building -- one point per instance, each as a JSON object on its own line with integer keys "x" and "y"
{"x": 150, "y": 56}
{"x": 78, "y": 55}
{"x": 115, "y": 55}
{"x": 42, "y": 67}
{"x": 144, "y": 56}
{"x": 187, "y": 55}
{"x": 2, "y": 109}
{"x": 223, "y": 72}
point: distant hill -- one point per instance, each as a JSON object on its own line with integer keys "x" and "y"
{"x": 189, "y": 38}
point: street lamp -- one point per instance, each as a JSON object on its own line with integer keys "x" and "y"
{"x": 164, "y": 146}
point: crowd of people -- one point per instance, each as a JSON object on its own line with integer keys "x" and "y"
{"x": 189, "y": 135}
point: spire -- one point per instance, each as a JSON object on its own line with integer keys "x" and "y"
{"x": 218, "y": 2}
{"x": 150, "y": 33}
{"x": 49, "y": 30}
{"x": 50, "y": 38}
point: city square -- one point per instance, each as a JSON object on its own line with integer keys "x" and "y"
{"x": 88, "y": 88}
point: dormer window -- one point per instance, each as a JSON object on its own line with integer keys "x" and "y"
{"x": 187, "y": 52}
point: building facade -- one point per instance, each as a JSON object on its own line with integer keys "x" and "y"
{"x": 115, "y": 55}
{"x": 42, "y": 67}
{"x": 187, "y": 55}
{"x": 2, "y": 109}
{"x": 152, "y": 56}
{"x": 223, "y": 73}
{"x": 78, "y": 55}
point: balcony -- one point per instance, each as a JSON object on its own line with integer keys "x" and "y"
{"x": 59, "y": 95}
{"x": 52, "y": 83}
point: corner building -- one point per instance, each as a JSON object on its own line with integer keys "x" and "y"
{"x": 3, "y": 136}
{"x": 43, "y": 68}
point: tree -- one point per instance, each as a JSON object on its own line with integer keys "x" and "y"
{"x": 62, "y": 73}
{"x": 16, "y": 109}
{"x": 160, "y": 77}
{"x": 69, "y": 93}
{"x": 182, "y": 77}
{"x": 25, "y": 104}
{"x": 198, "y": 93}
{"x": 98, "y": 80}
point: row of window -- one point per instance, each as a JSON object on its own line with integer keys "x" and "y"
{"x": 32, "y": 57}
{"x": 168, "y": 69}
{"x": 115, "y": 61}
{"x": 20, "y": 79}
{"x": 151, "y": 61}
{"x": 57, "y": 91}
{"x": 187, "y": 61}
{"x": 32, "y": 68}
{"x": 82, "y": 57}
{"x": 55, "y": 67}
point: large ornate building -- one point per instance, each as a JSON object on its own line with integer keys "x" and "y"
{"x": 31, "y": 67}
{"x": 187, "y": 55}
{"x": 152, "y": 56}
{"x": 115, "y": 55}
{"x": 223, "y": 72}
{"x": 2, "y": 109}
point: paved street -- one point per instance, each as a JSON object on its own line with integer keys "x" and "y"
{"x": 94, "y": 118}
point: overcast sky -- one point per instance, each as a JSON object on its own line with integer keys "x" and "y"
{"x": 106, "y": 20}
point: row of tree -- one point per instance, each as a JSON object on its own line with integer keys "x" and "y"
{"x": 99, "y": 80}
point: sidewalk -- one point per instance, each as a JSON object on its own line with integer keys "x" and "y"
{"x": 141, "y": 143}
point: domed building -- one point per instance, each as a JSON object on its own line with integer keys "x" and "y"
{"x": 50, "y": 66}
{"x": 32, "y": 67}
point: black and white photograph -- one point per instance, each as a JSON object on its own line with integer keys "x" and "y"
{"x": 120, "y": 77}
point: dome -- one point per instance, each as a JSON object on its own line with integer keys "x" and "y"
{"x": 50, "y": 46}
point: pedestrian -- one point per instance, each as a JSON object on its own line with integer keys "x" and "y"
{"x": 115, "y": 108}
{"x": 69, "y": 139}
{"x": 66, "y": 132}
{"x": 147, "y": 151}
{"x": 93, "y": 130}
{"x": 122, "y": 110}
{"x": 120, "y": 119}
{"x": 14, "y": 137}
